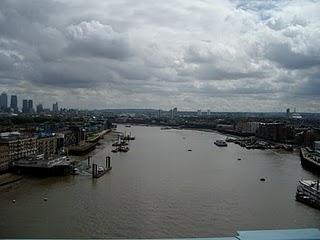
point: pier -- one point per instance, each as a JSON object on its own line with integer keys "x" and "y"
{"x": 100, "y": 171}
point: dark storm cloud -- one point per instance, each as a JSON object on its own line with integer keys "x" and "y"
{"x": 282, "y": 54}
{"x": 210, "y": 72}
{"x": 23, "y": 20}
{"x": 161, "y": 53}
{"x": 255, "y": 91}
{"x": 309, "y": 86}
{"x": 73, "y": 74}
{"x": 6, "y": 62}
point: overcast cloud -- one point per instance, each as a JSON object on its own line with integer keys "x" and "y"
{"x": 232, "y": 55}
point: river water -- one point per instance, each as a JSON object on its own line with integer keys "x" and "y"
{"x": 160, "y": 189}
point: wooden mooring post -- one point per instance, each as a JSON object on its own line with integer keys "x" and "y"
{"x": 89, "y": 161}
{"x": 94, "y": 170}
{"x": 108, "y": 162}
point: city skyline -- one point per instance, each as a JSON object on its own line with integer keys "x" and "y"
{"x": 24, "y": 105}
{"x": 222, "y": 55}
{"x": 27, "y": 106}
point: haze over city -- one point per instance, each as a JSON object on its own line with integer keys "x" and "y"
{"x": 218, "y": 55}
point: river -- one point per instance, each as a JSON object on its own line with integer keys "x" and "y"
{"x": 160, "y": 189}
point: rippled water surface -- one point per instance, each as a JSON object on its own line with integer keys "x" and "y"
{"x": 160, "y": 189}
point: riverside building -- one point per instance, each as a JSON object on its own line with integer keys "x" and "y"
{"x": 13, "y": 146}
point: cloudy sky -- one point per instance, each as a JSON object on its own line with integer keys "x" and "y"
{"x": 235, "y": 55}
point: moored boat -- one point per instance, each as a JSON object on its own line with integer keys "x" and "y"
{"x": 310, "y": 160}
{"x": 228, "y": 139}
{"x": 123, "y": 149}
{"x": 308, "y": 192}
{"x": 118, "y": 144}
{"x": 221, "y": 143}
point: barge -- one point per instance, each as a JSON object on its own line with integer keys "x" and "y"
{"x": 308, "y": 192}
{"x": 310, "y": 160}
{"x": 45, "y": 166}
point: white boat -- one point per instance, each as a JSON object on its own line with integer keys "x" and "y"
{"x": 221, "y": 143}
{"x": 75, "y": 171}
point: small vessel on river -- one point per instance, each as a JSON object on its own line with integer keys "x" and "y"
{"x": 123, "y": 149}
{"x": 120, "y": 142}
{"x": 120, "y": 149}
{"x": 221, "y": 143}
{"x": 128, "y": 137}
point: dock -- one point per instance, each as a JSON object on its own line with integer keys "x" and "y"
{"x": 96, "y": 173}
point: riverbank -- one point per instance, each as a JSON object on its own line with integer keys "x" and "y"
{"x": 246, "y": 142}
{"x": 9, "y": 178}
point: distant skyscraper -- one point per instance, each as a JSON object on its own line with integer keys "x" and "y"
{"x": 55, "y": 107}
{"x": 174, "y": 112}
{"x": 208, "y": 112}
{"x": 39, "y": 108}
{"x": 288, "y": 112}
{"x": 25, "y": 106}
{"x": 4, "y": 101}
{"x": 159, "y": 113}
{"x": 199, "y": 112}
{"x": 14, "y": 103}
{"x": 30, "y": 106}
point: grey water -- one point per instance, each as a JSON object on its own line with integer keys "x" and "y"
{"x": 159, "y": 189}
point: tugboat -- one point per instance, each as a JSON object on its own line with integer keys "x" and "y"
{"x": 220, "y": 143}
{"x": 308, "y": 192}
